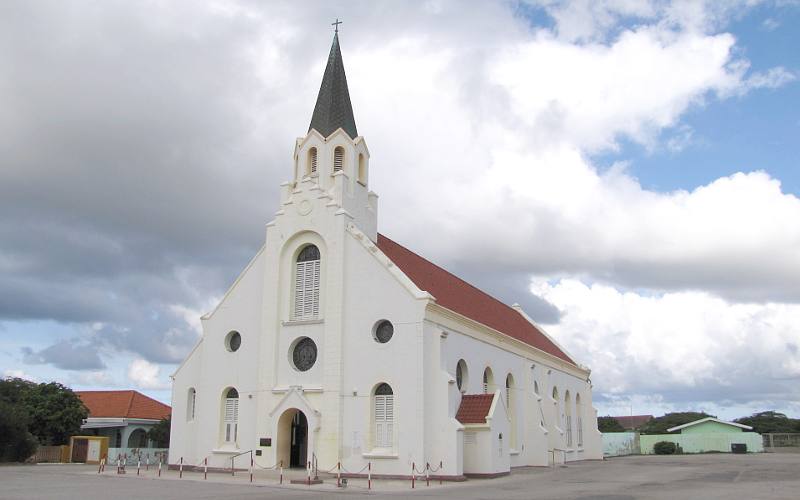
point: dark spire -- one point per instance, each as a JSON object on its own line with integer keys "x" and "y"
{"x": 333, "y": 109}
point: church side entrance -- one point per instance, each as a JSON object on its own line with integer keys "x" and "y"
{"x": 293, "y": 438}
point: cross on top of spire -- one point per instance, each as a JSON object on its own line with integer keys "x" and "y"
{"x": 336, "y": 25}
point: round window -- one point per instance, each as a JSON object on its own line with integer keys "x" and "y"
{"x": 304, "y": 354}
{"x": 383, "y": 331}
{"x": 233, "y": 341}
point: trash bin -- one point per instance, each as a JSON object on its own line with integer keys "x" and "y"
{"x": 738, "y": 448}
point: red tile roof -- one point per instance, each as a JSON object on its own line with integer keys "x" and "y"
{"x": 474, "y": 408}
{"x": 632, "y": 422}
{"x": 459, "y": 296}
{"x": 123, "y": 404}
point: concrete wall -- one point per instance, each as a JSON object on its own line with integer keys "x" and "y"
{"x": 703, "y": 443}
{"x": 616, "y": 444}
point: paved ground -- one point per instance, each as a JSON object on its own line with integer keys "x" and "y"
{"x": 707, "y": 477}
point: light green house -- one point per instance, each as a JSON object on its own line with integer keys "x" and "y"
{"x": 706, "y": 435}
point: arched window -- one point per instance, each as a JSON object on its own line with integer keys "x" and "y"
{"x": 338, "y": 158}
{"x": 462, "y": 375}
{"x": 510, "y": 403}
{"x": 568, "y": 417}
{"x": 488, "y": 381}
{"x": 137, "y": 439}
{"x": 311, "y": 163}
{"x": 306, "y": 283}
{"x": 231, "y": 417}
{"x": 579, "y": 418}
{"x": 556, "y": 409}
{"x": 191, "y": 402}
{"x": 383, "y": 415}
{"x": 362, "y": 169}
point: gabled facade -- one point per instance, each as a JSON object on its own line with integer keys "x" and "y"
{"x": 340, "y": 345}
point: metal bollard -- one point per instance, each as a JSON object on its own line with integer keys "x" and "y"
{"x": 308, "y": 472}
{"x": 138, "y": 466}
{"x": 427, "y": 474}
{"x": 281, "y": 472}
{"x": 159, "y": 467}
{"x": 369, "y": 475}
{"x": 440, "y": 472}
{"x": 205, "y": 468}
{"x": 413, "y": 473}
{"x": 338, "y": 474}
{"x": 251, "y": 469}
{"x": 180, "y": 469}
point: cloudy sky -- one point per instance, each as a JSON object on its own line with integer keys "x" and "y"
{"x": 626, "y": 170}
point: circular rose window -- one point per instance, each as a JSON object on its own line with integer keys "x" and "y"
{"x": 383, "y": 331}
{"x": 304, "y": 354}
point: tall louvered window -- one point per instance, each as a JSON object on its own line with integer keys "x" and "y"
{"x": 312, "y": 162}
{"x": 579, "y": 414}
{"x": 191, "y": 402}
{"x": 384, "y": 416}
{"x": 488, "y": 381}
{"x": 231, "y": 417}
{"x": 568, "y": 418}
{"x": 338, "y": 158}
{"x": 306, "y": 284}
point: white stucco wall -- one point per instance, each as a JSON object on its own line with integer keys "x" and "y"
{"x": 360, "y": 287}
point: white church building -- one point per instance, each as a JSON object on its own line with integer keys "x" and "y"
{"x": 338, "y": 344}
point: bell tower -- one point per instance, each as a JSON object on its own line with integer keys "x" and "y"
{"x": 332, "y": 158}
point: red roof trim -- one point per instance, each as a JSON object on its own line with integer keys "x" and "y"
{"x": 455, "y": 294}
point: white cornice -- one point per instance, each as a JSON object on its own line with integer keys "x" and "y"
{"x": 440, "y": 315}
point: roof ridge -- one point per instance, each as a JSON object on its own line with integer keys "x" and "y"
{"x": 458, "y": 278}
{"x": 456, "y": 294}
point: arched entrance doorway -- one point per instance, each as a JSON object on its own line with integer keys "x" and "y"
{"x": 293, "y": 438}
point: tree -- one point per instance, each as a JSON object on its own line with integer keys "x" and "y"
{"x": 609, "y": 424}
{"x": 50, "y": 411}
{"x": 159, "y": 434}
{"x": 770, "y": 421}
{"x": 16, "y": 443}
{"x": 661, "y": 424}
{"x": 56, "y": 413}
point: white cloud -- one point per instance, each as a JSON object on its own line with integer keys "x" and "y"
{"x": 770, "y": 79}
{"x": 679, "y": 347}
{"x": 770, "y": 24}
{"x": 481, "y": 128}
{"x": 146, "y": 375}
{"x": 99, "y": 378}
{"x": 19, "y": 374}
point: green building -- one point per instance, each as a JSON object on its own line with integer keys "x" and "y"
{"x": 706, "y": 435}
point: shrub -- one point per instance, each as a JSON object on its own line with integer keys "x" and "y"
{"x": 665, "y": 448}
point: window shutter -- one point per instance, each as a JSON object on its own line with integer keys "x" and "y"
{"x": 384, "y": 421}
{"x": 306, "y": 289}
{"x": 231, "y": 419}
{"x": 338, "y": 159}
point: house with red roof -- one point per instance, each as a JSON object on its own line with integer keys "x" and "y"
{"x": 341, "y": 345}
{"x": 124, "y": 417}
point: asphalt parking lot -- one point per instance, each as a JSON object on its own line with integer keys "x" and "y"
{"x": 718, "y": 476}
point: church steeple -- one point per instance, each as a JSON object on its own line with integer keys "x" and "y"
{"x": 333, "y": 109}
